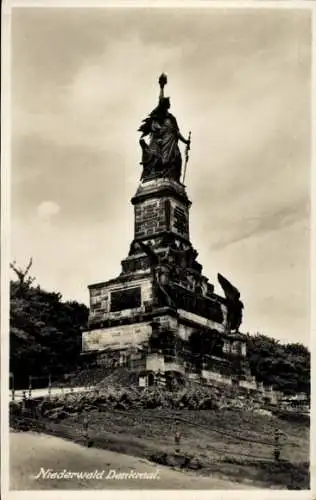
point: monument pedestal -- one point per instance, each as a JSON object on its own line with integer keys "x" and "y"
{"x": 161, "y": 282}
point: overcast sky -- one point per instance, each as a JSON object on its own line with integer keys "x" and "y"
{"x": 82, "y": 81}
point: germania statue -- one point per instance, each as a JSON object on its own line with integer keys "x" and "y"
{"x": 161, "y": 156}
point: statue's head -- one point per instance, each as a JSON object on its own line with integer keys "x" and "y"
{"x": 165, "y": 102}
{"x": 162, "y": 108}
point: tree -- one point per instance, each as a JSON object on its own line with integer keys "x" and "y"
{"x": 286, "y": 367}
{"x": 24, "y": 281}
{"x": 45, "y": 333}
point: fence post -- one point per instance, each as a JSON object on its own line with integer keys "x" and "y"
{"x": 177, "y": 437}
{"x": 30, "y": 386}
{"x": 85, "y": 431}
{"x": 277, "y": 445}
{"x": 49, "y": 385}
{"x": 12, "y": 385}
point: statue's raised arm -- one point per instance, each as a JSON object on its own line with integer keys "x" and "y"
{"x": 161, "y": 156}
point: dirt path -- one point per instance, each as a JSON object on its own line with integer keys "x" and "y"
{"x": 32, "y": 453}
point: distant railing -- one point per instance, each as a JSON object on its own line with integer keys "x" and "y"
{"x": 53, "y": 391}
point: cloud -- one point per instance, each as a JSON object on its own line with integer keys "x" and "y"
{"x": 47, "y": 209}
{"x": 247, "y": 226}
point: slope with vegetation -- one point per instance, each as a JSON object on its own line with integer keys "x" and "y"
{"x": 45, "y": 338}
{"x": 45, "y": 332}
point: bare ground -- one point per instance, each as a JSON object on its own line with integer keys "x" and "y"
{"x": 29, "y": 453}
{"x": 228, "y": 445}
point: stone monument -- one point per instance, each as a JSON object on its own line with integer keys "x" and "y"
{"x": 161, "y": 286}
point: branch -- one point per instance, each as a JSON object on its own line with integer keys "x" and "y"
{"x": 17, "y": 271}
{"x": 21, "y": 274}
{"x": 28, "y": 266}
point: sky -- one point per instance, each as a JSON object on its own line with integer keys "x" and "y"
{"x": 82, "y": 80}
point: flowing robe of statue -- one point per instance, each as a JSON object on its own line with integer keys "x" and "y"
{"x": 161, "y": 156}
{"x": 170, "y": 152}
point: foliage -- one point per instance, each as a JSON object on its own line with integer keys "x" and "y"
{"x": 286, "y": 367}
{"x": 45, "y": 333}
